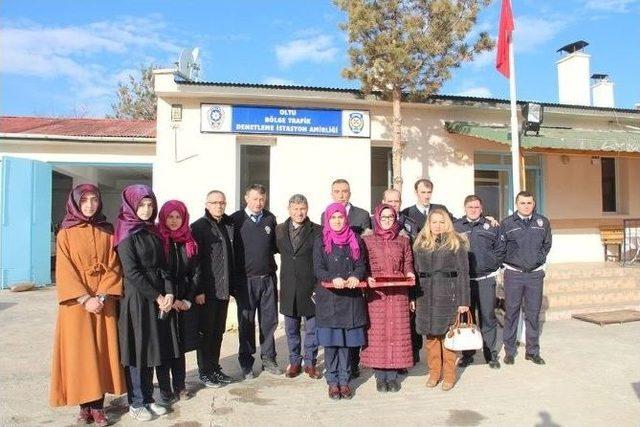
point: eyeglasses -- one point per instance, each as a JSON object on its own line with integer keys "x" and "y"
{"x": 387, "y": 218}
{"x": 217, "y": 203}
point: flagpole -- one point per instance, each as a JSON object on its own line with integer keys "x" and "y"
{"x": 515, "y": 136}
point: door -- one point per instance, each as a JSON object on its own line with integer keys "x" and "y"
{"x": 25, "y": 216}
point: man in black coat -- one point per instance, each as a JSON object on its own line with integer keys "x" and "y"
{"x": 295, "y": 239}
{"x": 359, "y": 221}
{"x": 215, "y": 235}
{"x": 485, "y": 259}
{"x": 256, "y": 290}
{"x": 419, "y": 212}
{"x": 527, "y": 238}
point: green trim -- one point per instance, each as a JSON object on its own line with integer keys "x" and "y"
{"x": 557, "y": 138}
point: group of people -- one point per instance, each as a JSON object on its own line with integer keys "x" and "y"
{"x": 366, "y": 288}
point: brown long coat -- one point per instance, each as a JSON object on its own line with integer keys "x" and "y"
{"x": 86, "y": 364}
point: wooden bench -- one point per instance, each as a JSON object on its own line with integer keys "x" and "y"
{"x": 612, "y": 235}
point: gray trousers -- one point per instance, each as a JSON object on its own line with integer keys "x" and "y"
{"x": 522, "y": 287}
{"x": 262, "y": 297}
{"x": 483, "y": 308}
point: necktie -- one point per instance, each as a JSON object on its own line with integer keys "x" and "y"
{"x": 527, "y": 221}
{"x": 254, "y": 217}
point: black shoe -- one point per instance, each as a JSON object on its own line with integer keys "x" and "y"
{"x": 535, "y": 358}
{"x": 272, "y": 367}
{"x": 465, "y": 361}
{"x": 393, "y": 386}
{"x": 247, "y": 373}
{"x": 494, "y": 363}
{"x": 508, "y": 360}
{"x": 381, "y": 386}
{"x": 209, "y": 382}
{"x": 221, "y": 377}
{"x": 355, "y": 372}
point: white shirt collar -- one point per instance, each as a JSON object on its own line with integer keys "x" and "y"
{"x": 249, "y": 213}
{"x": 424, "y": 210}
{"x": 524, "y": 217}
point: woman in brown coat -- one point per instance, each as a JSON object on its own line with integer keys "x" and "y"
{"x": 388, "y": 346}
{"x": 86, "y": 364}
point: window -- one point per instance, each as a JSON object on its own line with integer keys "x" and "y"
{"x": 609, "y": 200}
{"x": 254, "y": 168}
{"x": 492, "y": 182}
{"x": 381, "y": 173}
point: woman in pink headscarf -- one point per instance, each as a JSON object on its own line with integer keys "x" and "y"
{"x": 341, "y": 315}
{"x": 180, "y": 250}
{"x": 388, "y": 346}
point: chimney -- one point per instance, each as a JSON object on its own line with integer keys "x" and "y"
{"x": 573, "y": 75}
{"x": 602, "y": 91}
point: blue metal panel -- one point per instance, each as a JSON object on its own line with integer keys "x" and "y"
{"x": 41, "y": 223}
{"x": 25, "y": 252}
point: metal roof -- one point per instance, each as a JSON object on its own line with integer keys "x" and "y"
{"x": 100, "y": 128}
{"x": 431, "y": 99}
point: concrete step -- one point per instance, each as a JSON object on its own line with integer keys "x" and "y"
{"x": 570, "y": 301}
{"x": 593, "y": 284}
{"x": 551, "y": 315}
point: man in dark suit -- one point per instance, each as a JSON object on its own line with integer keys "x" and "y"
{"x": 419, "y": 212}
{"x": 295, "y": 239}
{"x": 359, "y": 221}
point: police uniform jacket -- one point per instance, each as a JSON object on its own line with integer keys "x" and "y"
{"x": 486, "y": 249}
{"x": 526, "y": 243}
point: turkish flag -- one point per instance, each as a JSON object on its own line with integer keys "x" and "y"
{"x": 504, "y": 38}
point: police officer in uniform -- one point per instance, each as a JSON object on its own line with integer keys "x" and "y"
{"x": 527, "y": 238}
{"x": 485, "y": 258}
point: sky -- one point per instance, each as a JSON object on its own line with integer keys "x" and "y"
{"x": 65, "y": 58}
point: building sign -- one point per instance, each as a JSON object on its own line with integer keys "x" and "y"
{"x": 284, "y": 121}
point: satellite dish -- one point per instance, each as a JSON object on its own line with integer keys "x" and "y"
{"x": 189, "y": 63}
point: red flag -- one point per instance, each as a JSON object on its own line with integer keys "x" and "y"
{"x": 504, "y": 38}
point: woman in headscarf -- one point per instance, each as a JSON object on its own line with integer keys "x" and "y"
{"x": 443, "y": 266}
{"x": 338, "y": 259}
{"x": 180, "y": 250}
{"x": 88, "y": 283}
{"x": 147, "y": 334}
{"x": 388, "y": 346}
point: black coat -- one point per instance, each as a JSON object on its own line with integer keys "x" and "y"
{"x": 418, "y": 218}
{"x": 339, "y": 308}
{"x": 486, "y": 248}
{"x": 217, "y": 246}
{"x": 145, "y": 340}
{"x": 182, "y": 272}
{"x": 297, "y": 278}
{"x": 439, "y": 296}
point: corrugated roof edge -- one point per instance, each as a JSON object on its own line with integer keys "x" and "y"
{"x": 433, "y": 97}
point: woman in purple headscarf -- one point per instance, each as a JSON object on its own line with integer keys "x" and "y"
{"x": 148, "y": 335}
{"x": 341, "y": 315}
{"x": 85, "y": 362}
{"x": 388, "y": 346}
{"x": 180, "y": 250}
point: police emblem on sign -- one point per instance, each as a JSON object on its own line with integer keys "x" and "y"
{"x": 540, "y": 222}
{"x": 356, "y": 122}
{"x": 267, "y": 229}
{"x": 216, "y": 116}
{"x": 486, "y": 226}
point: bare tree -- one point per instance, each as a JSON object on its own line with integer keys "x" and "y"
{"x": 136, "y": 100}
{"x": 405, "y": 49}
